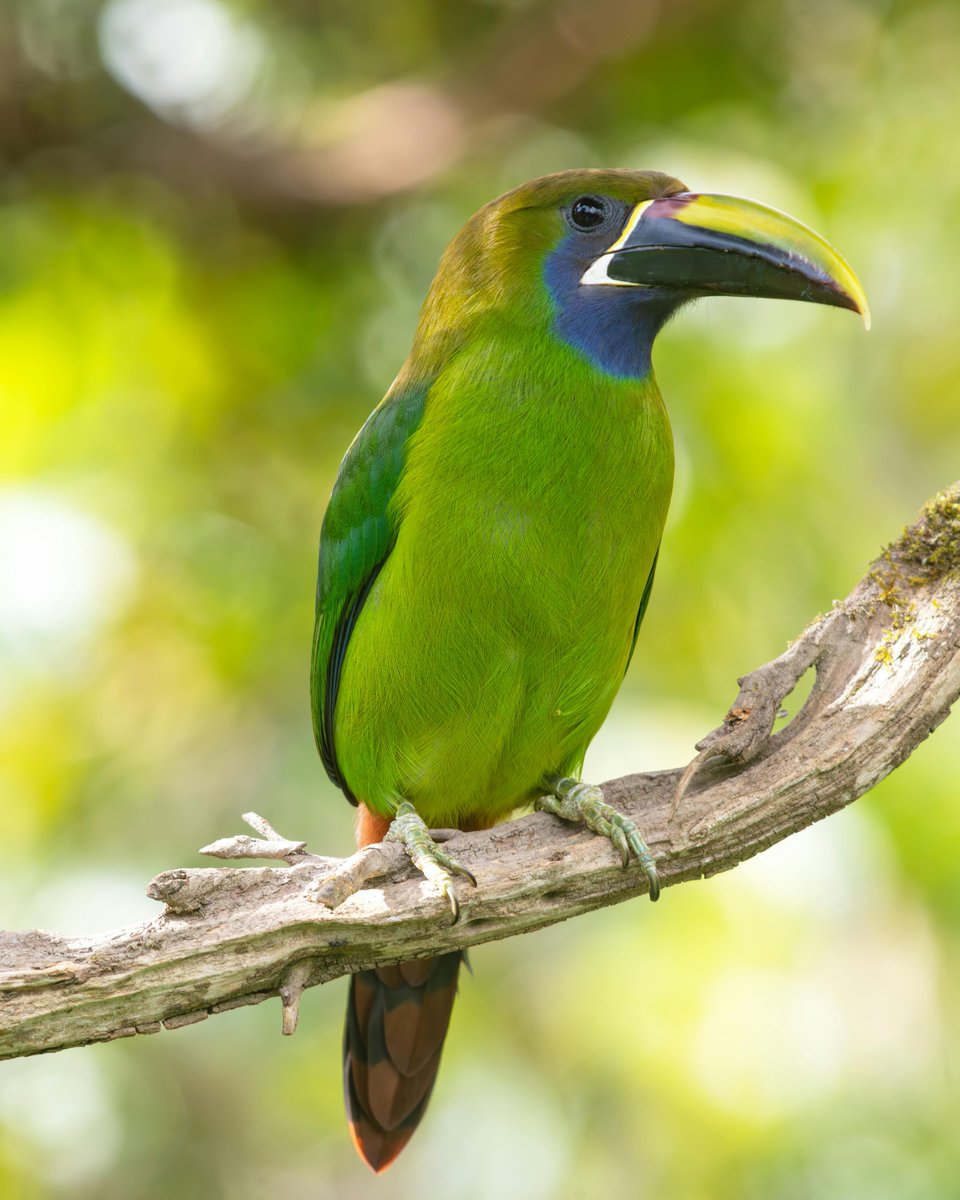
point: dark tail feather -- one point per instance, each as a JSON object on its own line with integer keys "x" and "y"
{"x": 397, "y": 1018}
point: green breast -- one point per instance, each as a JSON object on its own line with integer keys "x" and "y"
{"x": 494, "y": 638}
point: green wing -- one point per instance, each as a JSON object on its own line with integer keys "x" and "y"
{"x": 644, "y": 601}
{"x": 356, "y": 538}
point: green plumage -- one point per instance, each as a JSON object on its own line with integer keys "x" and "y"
{"x": 504, "y": 518}
{"x": 358, "y": 532}
{"x": 489, "y": 549}
{"x": 498, "y": 630}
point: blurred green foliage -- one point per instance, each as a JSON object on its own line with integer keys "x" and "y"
{"x": 217, "y": 221}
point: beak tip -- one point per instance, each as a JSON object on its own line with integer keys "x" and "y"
{"x": 861, "y": 306}
{"x": 855, "y": 298}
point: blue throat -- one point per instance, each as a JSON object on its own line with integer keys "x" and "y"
{"x": 613, "y": 327}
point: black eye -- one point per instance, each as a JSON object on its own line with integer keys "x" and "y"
{"x": 587, "y": 212}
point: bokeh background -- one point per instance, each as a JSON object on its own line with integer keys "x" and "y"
{"x": 217, "y": 222}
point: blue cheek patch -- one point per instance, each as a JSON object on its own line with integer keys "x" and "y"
{"x": 613, "y": 327}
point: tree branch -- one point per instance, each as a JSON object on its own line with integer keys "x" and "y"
{"x": 888, "y": 669}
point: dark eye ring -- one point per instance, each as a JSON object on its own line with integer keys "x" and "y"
{"x": 588, "y": 212}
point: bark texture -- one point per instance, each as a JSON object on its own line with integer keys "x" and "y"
{"x": 887, "y": 661}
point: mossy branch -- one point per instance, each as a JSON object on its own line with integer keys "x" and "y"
{"x": 888, "y": 669}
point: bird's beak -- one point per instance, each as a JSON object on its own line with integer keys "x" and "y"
{"x": 721, "y": 245}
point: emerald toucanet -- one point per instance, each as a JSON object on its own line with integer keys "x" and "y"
{"x": 489, "y": 548}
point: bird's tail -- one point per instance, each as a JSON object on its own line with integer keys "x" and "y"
{"x": 397, "y": 1019}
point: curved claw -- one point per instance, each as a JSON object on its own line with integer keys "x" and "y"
{"x": 653, "y": 879}
{"x": 457, "y": 868}
{"x": 645, "y": 859}
{"x": 572, "y": 800}
{"x": 446, "y": 889}
{"x": 619, "y": 839}
{"x": 435, "y": 866}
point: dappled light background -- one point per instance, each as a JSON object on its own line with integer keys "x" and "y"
{"x": 217, "y": 221}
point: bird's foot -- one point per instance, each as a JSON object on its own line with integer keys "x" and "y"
{"x": 572, "y": 800}
{"x": 433, "y": 864}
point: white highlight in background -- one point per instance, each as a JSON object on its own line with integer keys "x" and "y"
{"x": 64, "y": 575}
{"x": 188, "y": 59}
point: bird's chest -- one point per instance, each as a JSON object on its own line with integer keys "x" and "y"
{"x": 552, "y": 509}
{"x": 583, "y": 502}
{"x": 500, "y": 626}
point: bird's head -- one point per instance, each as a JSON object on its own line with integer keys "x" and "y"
{"x": 602, "y": 258}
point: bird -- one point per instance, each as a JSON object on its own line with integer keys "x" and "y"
{"x": 489, "y": 547}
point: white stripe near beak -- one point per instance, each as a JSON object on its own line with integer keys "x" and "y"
{"x": 597, "y": 271}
